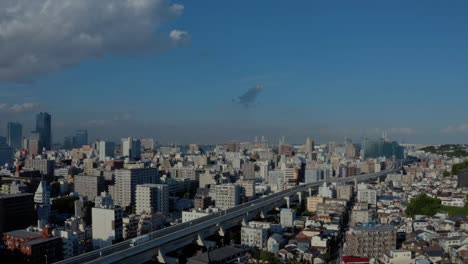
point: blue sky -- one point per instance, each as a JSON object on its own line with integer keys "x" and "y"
{"x": 328, "y": 69}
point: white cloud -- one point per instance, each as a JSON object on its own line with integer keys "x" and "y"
{"x": 179, "y": 36}
{"x": 40, "y": 36}
{"x": 463, "y": 128}
{"x": 18, "y": 108}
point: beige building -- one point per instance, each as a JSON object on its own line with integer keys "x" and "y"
{"x": 361, "y": 216}
{"x": 398, "y": 257}
{"x": 371, "y": 241}
{"x": 312, "y": 203}
{"x": 344, "y": 192}
{"x": 247, "y": 188}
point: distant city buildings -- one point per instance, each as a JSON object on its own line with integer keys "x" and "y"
{"x": 382, "y": 148}
{"x": 14, "y": 135}
{"x": 80, "y": 138}
{"x": 44, "y": 129}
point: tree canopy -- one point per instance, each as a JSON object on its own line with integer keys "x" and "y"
{"x": 423, "y": 205}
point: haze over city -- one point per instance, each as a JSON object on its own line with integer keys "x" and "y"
{"x": 210, "y": 72}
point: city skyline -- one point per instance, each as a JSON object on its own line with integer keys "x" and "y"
{"x": 321, "y": 70}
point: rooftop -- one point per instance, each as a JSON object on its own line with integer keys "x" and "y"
{"x": 219, "y": 254}
{"x": 24, "y": 234}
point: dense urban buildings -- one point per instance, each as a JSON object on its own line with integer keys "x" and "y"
{"x": 93, "y": 194}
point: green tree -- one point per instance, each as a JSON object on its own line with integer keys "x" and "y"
{"x": 423, "y": 205}
{"x": 293, "y": 261}
{"x": 266, "y": 256}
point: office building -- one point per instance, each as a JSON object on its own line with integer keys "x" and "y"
{"x": 312, "y": 203}
{"x": 126, "y": 180}
{"x": 42, "y": 201}
{"x": 370, "y": 241}
{"x": 361, "y": 216}
{"x": 105, "y": 149}
{"x": 325, "y": 191}
{"x": 89, "y": 185}
{"x": 107, "y": 226}
{"x": 6, "y": 154}
{"x": 44, "y": 129}
{"x": 34, "y": 247}
{"x": 311, "y": 175}
{"x": 16, "y": 211}
{"x": 131, "y": 148}
{"x": 344, "y": 192}
{"x": 287, "y": 217}
{"x": 152, "y": 198}
{"x": 248, "y": 170}
{"x": 367, "y": 195}
{"x": 290, "y": 177}
{"x": 254, "y": 237}
{"x": 45, "y": 166}
{"x": 227, "y": 195}
{"x": 247, "y": 188}
{"x": 80, "y": 138}
{"x": 382, "y": 148}
{"x": 232, "y": 147}
{"x": 309, "y": 147}
{"x": 147, "y": 143}
{"x": 188, "y": 216}
{"x": 14, "y": 135}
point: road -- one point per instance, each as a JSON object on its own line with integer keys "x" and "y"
{"x": 123, "y": 250}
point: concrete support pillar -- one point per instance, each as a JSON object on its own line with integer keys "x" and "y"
{"x": 244, "y": 221}
{"x": 222, "y": 231}
{"x": 299, "y": 195}
{"x": 162, "y": 255}
{"x": 310, "y": 191}
{"x": 263, "y": 214}
{"x": 288, "y": 201}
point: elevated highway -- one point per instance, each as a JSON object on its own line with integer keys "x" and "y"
{"x": 174, "y": 237}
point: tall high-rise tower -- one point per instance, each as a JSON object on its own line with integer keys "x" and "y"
{"x": 309, "y": 145}
{"x": 44, "y": 128}
{"x": 14, "y": 135}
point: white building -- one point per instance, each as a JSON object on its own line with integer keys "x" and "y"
{"x": 105, "y": 149}
{"x": 254, "y": 237}
{"x": 42, "y": 200}
{"x": 107, "y": 226}
{"x": 368, "y": 196}
{"x": 195, "y": 214}
{"x": 325, "y": 191}
{"x": 152, "y": 198}
{"x": 287, "y": 217}
{"x": 398, "y": 257}
{"x": 126, "y": 180}
{"x": 131, "y": 148}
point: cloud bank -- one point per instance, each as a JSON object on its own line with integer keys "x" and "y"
{"x": 40, "y": 36}
{"x": 18, "y": 108}
{"x": 463, "y": 128}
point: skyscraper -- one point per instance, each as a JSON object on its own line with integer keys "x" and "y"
{"x": 309, "y": 145}
{"x": 131, "y": 148}
{"x": 80, "y": 138}
{"x": 43, "y": 127}
{"x": 14, "y": 135}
